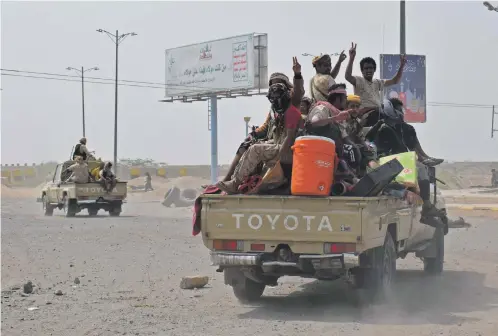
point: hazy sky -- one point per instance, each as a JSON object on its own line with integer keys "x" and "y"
{"x": 41, "y": 119}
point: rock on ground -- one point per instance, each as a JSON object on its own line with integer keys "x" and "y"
{"x": 190, "y": 282}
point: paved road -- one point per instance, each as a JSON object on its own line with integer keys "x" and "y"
{"x": 130, "y": 269}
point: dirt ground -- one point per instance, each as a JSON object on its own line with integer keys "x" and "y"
{"x": 129, "y": 270}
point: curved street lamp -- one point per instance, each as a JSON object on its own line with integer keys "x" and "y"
{"x": 490, "y": 7}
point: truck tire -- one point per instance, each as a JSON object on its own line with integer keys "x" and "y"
{"x": 93, "y": 211}
{"x": 47, "y": 207}
{"x": 115, "y": 210}
{"x": 171, "y": 196}
{"x": 377, "y": 279}
{"x": 183, "y": 203}
{"x": 189, "y": 194}
{"x": 69, "y": 207}
{"x": 435, "y": 265}
{"x": 248, "y": 290}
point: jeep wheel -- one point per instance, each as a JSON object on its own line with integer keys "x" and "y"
{"x": 378, "y": 278}
{"x": 248, "y": 290}
{"x": 47, "y": 207}
{"x": 435, "y": 265}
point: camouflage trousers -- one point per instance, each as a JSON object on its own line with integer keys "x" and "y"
{"x": 258, "y": 153}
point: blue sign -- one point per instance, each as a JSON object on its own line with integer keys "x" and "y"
{"x": 412, "y": 88}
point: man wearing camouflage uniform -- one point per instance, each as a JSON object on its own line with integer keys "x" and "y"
{"x": 281, "y": 129}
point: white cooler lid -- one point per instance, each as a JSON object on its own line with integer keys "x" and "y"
{"x": 314, "y": 137}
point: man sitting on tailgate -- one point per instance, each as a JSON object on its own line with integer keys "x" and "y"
{"x": 107, "y": 178}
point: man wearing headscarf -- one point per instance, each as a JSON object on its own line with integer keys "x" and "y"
{"x": 325, "y": 76}
{"x": 296, "y": 93}
{"x": 325, "y": 117}
{"x": 79, "y": 171}
{"x": 354, "y": 125}
{"x": 281, "y": 133}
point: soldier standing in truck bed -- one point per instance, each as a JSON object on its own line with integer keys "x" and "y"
{"x": 81, "y": 150}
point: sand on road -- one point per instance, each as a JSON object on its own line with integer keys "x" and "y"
{"x": 129, "y": 270}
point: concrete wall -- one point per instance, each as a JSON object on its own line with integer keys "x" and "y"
{"x": 35, "y": 174}
{"x": 456, "y": 174}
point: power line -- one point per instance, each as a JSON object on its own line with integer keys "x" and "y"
{"x": 73, "y": 80}
{"x": 154, "y": 85}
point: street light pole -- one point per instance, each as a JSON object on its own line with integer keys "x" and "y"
{"x": 490, "y": 7}
{"x": 402, "y": 27}
{"x": 82, "y": 73}
{"x": 116, "y": 39}
{"x": 247, "y": 119}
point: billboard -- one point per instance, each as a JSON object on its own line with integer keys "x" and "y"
{"x": 230, "y": 65}
{"x": 412, "y": 88}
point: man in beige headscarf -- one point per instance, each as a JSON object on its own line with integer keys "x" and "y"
{"x": 325, "y": 76}
{"x": 79, "y": 171}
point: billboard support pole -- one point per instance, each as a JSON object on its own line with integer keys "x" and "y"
{"x": 214, "y": 138}
{"x": 402, "y": 27}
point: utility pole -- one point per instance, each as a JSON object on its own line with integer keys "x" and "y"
{"x": 117, "y": 40}
{"x": 402, "y": 27}
{"x": 493, "y": 130}
{"x": 82, "y": 73}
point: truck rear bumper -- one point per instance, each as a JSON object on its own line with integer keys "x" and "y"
{"x": 346, "y": 260}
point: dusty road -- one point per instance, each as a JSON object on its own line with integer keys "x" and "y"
{"x": 129, "y": 270}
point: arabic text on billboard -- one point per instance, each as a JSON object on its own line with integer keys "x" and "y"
{"x": 215, "y": 66}
{"x": 412, "y": 88}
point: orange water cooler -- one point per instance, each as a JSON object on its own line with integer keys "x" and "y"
{"x": 313, "y": 166}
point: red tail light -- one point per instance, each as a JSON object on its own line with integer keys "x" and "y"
{"x": 337, "y": 248}
{"x": 258, "y": 247}
{"x": 228, "y": 245}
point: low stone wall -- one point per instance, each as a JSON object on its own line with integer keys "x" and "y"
{"x": 458, "y": 175}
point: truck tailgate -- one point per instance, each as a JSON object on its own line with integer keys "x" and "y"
{"x": 95, "y": 190}
{"x": 282, "y": 218}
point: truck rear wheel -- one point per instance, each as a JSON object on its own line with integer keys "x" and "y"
{"x": 69, "y": 207}
{"x": 114, "y": 213}
{"x": 47, "y": 207}
{"x": 115, "y": 210}
{"x": 435, "y": 265}
{"x": 248, "y": 290}
{"x": 377, "y": 278}
{"x": 93, "y": 211}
